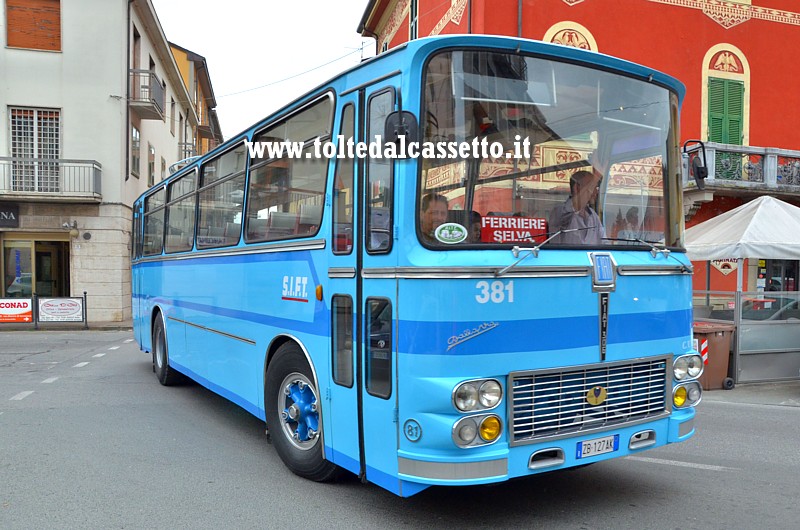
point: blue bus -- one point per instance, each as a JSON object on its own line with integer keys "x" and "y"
{"x": 469, "y": 269}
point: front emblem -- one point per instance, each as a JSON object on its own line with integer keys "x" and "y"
{"x": 596, "y": 396}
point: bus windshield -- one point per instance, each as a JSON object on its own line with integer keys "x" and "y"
{"x": 532, "y": 150}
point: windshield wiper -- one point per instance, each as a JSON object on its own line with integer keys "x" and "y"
{"x": 655, "y": 249}
{"x": 534, "y": 251}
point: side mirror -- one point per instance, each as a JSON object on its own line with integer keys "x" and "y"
{"x": 698, "y": 168}
{"x": 400, "y": 123}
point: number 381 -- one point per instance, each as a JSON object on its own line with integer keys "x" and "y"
{"x": 496, "y": 292}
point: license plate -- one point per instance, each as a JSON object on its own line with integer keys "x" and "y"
{"x": 598, "y": 446}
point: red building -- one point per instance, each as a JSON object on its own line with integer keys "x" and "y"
{"x": 734, "y": 56}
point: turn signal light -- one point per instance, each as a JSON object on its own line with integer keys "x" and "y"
{"x": 491, "y": 428}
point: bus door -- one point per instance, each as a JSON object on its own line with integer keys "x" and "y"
{"x": 136, "y": 276}
{"x": 363, "y": 393}
{"x": 341, "y": 425}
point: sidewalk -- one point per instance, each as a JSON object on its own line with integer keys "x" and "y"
{"x": 69, "y": 326}
{"x": 782, "y": 393}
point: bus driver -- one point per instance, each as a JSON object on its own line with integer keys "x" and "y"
{"x": 576, "y": 216}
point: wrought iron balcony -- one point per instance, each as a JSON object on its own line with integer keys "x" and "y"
{"x": 148, "y": 97}
{"x": 743, "y": 170}
{"x": 51, "y": 178}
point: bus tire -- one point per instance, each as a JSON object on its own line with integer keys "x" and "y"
{"x": 293, "y": 415}
{"x": 166, "y": 375}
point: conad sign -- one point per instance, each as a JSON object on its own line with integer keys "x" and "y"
{"x": 16, "y": 310}
{"x": 60, "y": 309}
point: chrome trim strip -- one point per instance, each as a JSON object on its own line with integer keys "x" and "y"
{"x": 212, "y": 330}
{"x": 472, "y": 272}
{"x": 648, "y": 270}
{"x": 341, "y": 272}
{"x": 314, "y": 244}
{"x": 452, "y": 471}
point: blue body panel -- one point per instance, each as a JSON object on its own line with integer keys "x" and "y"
{"x": 224, "y": 310}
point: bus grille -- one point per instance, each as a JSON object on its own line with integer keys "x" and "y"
{"x": 553, "y": 403}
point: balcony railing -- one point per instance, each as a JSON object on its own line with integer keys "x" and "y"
{"x": 70, "y": 180}
{"x": 747, "y": 167}
{"x": 186, "y": 150}
{"x": 742, "y": 170}
{"x": 148, "y": 97}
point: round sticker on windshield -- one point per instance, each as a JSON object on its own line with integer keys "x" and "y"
{"x": 450, "y": 233}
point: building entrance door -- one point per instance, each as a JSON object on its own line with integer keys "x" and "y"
{"x": 52, "y": 268}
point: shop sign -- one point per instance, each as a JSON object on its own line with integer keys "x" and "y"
{"x": 725, "y": 266}
{"x": 16, "y": 310}
{"x": 9, "y": 215}
{"x": 60, "y": 310}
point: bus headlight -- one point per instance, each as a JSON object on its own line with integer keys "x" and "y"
{"x": 490, "y": 393}
{"x": 478, "y": 394}
{"x": 476, "y": 431}
{"x": 686, "y": 395}
{"x": 466, "y": 397}
{"x": 687, "y": 367}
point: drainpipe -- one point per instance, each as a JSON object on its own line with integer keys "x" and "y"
{"x": 519, "y": 18}
{"x": 128, "y": 93}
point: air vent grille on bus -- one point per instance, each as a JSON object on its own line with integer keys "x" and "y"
{"x": 550, "y": 403}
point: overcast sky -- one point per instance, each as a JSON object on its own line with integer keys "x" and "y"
{"x": 249, "y": 44}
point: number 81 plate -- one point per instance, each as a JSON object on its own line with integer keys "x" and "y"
{"x": 598, "y": 446}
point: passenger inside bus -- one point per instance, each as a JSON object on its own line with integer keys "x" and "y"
{"x": 474, "y": 227}
{"x": 433, "y": 215}
{"x": 575, "y": 217}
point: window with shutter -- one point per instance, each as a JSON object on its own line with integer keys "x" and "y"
{"x": 725, "y": 111}
{"x": 33, "y": 24}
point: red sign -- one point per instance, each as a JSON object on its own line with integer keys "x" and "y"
{"x": 16, "y": 310}
{"x": 497, "y": 229}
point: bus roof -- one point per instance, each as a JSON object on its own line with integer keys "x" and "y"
{"x": 382, "y": 64}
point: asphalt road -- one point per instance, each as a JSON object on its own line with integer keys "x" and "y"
{"x": 89, "y": 439}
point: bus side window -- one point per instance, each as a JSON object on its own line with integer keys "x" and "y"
{"x": 343, "y": 190}
{"x": 180, "y": 214}
{"x": 285, "y": 195}
{"x": 153, "y": 241}
{"x": 342, "y": 339}
{"x": 379, "y": 347}
{"x": 379, "y": 176}
{"x": 222, "y": 183}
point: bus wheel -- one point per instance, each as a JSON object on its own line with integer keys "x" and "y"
{"x": 293, "y": 415}
{"x": 166, "y": 375}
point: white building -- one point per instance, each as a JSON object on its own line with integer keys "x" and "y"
{"x": 93, "y": 110}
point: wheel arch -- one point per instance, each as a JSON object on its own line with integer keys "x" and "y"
{"x": 273, "y": 347}
{"x": 156, "y": 314}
